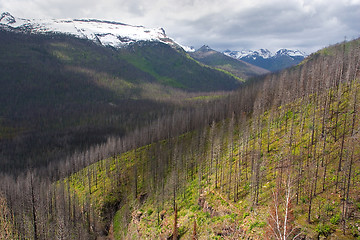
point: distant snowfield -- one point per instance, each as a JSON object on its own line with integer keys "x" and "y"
{"x": 104, "y": 32}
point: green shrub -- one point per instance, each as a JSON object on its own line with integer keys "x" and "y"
{"x": 245, "y": 214}
{"x": 149, "y": 212}
{"x": 195, "y": 208}
{"x": 182, "y": 230}
{"x": 335, "y": 219}
{"x": 323, "y": 229}
{"x": 303, "y": 200}
{"x": 329, "y": 207}
{"x": 233, "y": 216}
{"x": 358, "y": 206}
{"x": 257, "y": 224}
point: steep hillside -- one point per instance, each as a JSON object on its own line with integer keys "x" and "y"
{"x": 239, "y": 68}
{"x": 254, "y": 183}
{"x": 229, "y": 181}
{"x": 287, "y": 156}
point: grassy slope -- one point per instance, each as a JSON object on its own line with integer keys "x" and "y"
{"x": 176, "y": 69}
{"x": 219, "y": 216}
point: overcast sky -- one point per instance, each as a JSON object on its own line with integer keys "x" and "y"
{"x": 307, "y": 25}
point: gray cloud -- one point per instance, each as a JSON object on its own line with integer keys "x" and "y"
{"x": 223, "y": 24}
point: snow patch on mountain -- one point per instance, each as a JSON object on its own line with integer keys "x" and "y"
{"x": 291, "y": 53}
{"x": 107, "y": 33}
{"x": 263, "y": 53}
{"x": 7, "y": 18}
{"x": 263, "y": 58}
{"x": 188, "y": 49}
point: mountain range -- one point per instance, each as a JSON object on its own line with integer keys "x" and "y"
{"x": 119, "y": 35}
{"x": 264, "y": 58}
{"x": 150, "y": 51}
{"x": 238, "y": 67}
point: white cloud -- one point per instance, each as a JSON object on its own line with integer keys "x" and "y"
{"x": 234, "y": 24}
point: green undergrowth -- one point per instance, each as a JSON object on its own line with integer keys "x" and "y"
{"x": 224, "y": 177}
{"x": 176, "y": 69}
{"x": 7, "y": 132}
{"x": 147, "y": 66}
{"x": 205, "y": 98}
{"x": 229, "y": 73}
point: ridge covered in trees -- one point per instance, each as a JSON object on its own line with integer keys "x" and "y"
{"x": 224, "y": 165}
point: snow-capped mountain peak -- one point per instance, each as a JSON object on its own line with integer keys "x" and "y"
{"x": 6, "y": 17}
{"x": 188, "y": 49}
{"x": 264, "y": 58}
{"x": 290, "y": 52}
{"x": 107, "y": 33}
{"x": 263, "y": 53}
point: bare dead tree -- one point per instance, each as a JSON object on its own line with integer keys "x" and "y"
{"x": 280, "y": 221}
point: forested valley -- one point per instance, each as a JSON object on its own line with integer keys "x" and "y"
{"x": 276, "y": 159}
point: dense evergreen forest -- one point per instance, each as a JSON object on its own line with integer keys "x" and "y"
{"x": 277, "y": 159}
